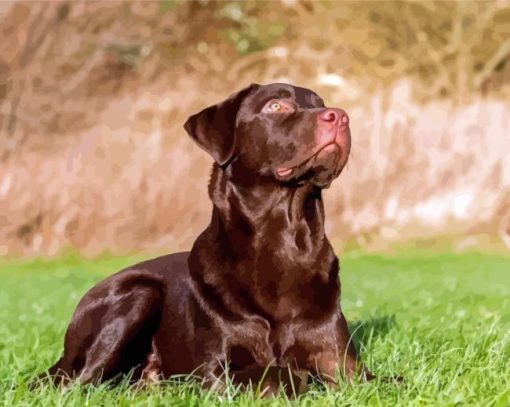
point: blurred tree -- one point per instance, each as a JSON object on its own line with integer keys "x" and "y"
{"x": 77, "y": 51}
{"x": 451, "y": 49}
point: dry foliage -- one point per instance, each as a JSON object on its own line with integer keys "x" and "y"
{"x": 93, "y": 95}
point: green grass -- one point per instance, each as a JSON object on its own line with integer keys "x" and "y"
{"x": 440, "y": 320}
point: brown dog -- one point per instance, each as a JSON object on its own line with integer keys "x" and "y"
{"x": 260, "y": 286}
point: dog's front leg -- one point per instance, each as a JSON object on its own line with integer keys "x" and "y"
{"x": 329, "y": 351}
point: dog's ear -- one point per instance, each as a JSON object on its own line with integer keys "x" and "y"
{"x": 213, "y": 128}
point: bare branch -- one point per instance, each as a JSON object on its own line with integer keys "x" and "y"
{"x": 488, "y": 69}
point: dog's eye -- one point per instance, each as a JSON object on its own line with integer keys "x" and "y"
{"x": 276, "y": 106}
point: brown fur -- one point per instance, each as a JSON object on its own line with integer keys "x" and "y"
{"x": 259, "y": 288}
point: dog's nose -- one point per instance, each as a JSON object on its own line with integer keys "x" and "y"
{"x": 334, "y": 116}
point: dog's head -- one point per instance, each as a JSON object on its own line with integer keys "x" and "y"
{"x": 276, "y": 131}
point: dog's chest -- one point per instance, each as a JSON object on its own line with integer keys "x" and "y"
{"x": 265, "y": 345}
{"x": 281, "y": 339}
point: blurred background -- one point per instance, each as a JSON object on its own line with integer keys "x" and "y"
{"x": 93, "y": 95}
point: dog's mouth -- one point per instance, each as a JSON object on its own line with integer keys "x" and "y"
{"x": 320, "y": 168}
{"x": 333, "y": 149}
{"x": 323, "y": 164}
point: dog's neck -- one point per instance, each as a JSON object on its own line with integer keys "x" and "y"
{"x": 265, "y": 243}
{"x": 260, "y": 215}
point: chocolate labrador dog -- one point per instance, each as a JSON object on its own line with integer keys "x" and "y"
{"x": 260, "y": 287}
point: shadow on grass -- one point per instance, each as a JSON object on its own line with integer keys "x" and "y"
{"x": 364, "y": 332}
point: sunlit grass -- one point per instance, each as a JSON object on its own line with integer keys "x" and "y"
{"x": 442, "y": 321}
